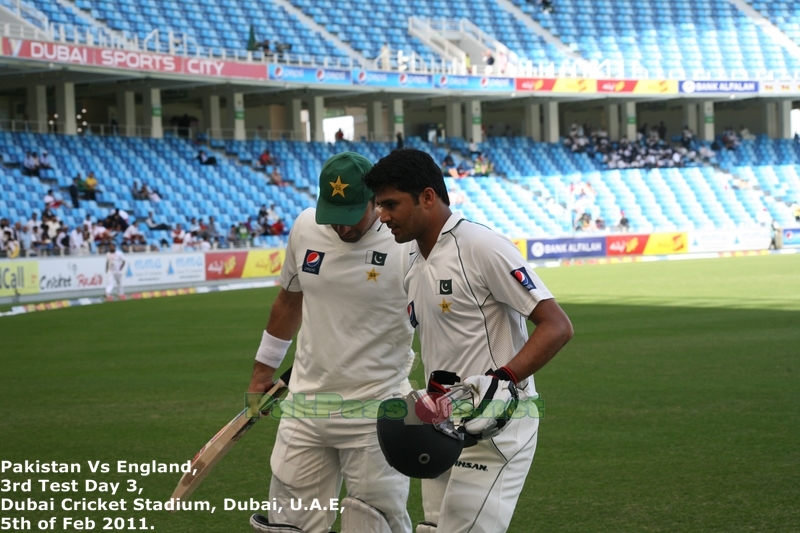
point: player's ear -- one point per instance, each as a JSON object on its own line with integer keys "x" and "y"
{"x": 428, "y": 197}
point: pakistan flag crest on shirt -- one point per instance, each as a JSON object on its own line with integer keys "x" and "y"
{"x": 445, "y": 286}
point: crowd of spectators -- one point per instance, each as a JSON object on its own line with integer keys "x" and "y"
{"x": 32, "y": 164}
{"x": 476, "y": 165}
{"x": 650, "y": 150}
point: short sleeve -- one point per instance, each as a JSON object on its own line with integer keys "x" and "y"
{"x": 289, "y": 279}
{"x": 508, "y": 277}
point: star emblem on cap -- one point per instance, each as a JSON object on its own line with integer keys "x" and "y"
{"x": 373, "y": 275}
{"x": 338, "y": 186}
{"x": 445, "y": 305}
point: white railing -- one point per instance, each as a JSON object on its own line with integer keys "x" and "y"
{"x": 187, "y": 46}
{"x": 27, "y": 12}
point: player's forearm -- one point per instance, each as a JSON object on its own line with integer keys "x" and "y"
{"x": 553, "y": 331}
{"x": 286, "y": 315}
{"x": 261, "y": 380}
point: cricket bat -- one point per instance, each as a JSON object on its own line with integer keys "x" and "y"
{"x": 221, "y": 443}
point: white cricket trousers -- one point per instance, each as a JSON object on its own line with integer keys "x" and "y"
{"x": 311, "y": 457}
{"x": 114, "y": 280}
{"x": 479, "y": 494}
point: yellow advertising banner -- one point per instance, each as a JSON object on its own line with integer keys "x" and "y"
{"x": 656, "y": 87}
{"x": 263, "y": 263}
{"x": 522, "y": 245}
{"x": 575, "y": 85}
{"x": 667, "y": 243}
{"x": 19, "y": 277}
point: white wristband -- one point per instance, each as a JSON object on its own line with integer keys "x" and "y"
{"x": 272, "y": 350}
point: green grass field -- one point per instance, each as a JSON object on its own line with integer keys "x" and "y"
{"x": 675, "y": 407}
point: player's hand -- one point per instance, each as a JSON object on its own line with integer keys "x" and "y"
{"x": 494, "y": 399}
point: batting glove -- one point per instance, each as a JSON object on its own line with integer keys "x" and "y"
{"x": 494, "y": 399}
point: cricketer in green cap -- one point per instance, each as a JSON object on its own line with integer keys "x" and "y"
{"x": 343, "y": 198}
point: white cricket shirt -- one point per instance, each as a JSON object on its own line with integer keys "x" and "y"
{"x": 470, "y": 300}
{"x": 115, "y": 262}
{"x": 355, "y": 338}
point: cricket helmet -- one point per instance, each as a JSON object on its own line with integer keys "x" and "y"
{"x": 415, "y": 448}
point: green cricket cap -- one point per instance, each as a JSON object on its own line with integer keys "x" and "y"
{"x": 343, "y": 197}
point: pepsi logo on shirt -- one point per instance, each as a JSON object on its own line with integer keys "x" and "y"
{"x": 313, "y": 261}
{"x": 524, "y": 279}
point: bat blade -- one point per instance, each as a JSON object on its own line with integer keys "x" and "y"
{"x": 221, "y": 443}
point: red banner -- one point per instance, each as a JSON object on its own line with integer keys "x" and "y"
{"x": 535, "y": 84}
{"x": 132, "y": 60}
{"x": 225, "y": 265}
{"x": 616, "y": 86}
{"x": 626, "y": 244}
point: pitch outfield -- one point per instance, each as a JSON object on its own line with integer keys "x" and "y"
{"x": 674, "y": 408}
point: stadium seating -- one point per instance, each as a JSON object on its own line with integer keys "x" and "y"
{"x": 670, "y": 38}
{"x": 217, "y": 24}
{"x": 367, "y": 33}
{"x": 534, "y": 198}
{"x": 666, "y": 38}
{"x": 785, "y": 14}
{"x": 228, "y": 191}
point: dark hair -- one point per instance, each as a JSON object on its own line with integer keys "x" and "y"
{"x": 407, "y": 170}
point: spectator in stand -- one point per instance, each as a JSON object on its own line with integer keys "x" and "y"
{"x": 194, "y": 225}
{"x": 263, "y": 211}
{"x": 729, "y": 139}
{"x": 10, "y": 246}
{"x": 624, "y": 224}
{"x": 91, "y": 187}
{"x": 687, "y": 137}
{"x": 662, "y": 131}
{"x": 74, "y": 192}
{"x": 137, "y": 191}
{"x": 45, "y": 162}
{"x": 488, "y": 59}
{"x": 50, "y": 201}
{"x": 483, "y": 167}
{"x": 275, "y": 177}
{"x": 266, "y": 48}
{"x": 265, "y": 158}
{"x": 178, "y": 237}
{"x": 26, "y": 241}
{"x": 204, "y": 245}
{"x": 474, "y": 149}
{"x": 244, "y": 232}
{"x": 30, "y": 165}
{"x": 76, "y": 240}
{"x": 400, "y": 142}
{"x": 153, "y": 225}
{"x": 796, "y": 211}
{"x": 211, "y": 231}
{"x": 62, "y": 239}
{"x": 456, "y": 197}
{"x": 41, "y": 242}
{"x": 101, "y": 236}
{"x": 339, "y": 135}
{"x": 133, "y": 239}
{"x": 152, "y": 194}
{"x": 33, "y": 222}
{"x": 5, "y": 226}
{"x": 385, "y": 57}
{"x": 545, "y": 5}
{"x": 745, "y": 134}
{"x": 464, "y": 169}
{"x": 205, "y": 159}
{"x": 233, "y": 236}
{"x": 599, "y": 223}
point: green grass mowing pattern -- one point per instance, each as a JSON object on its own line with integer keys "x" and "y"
{"x": 674, "y": 408}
